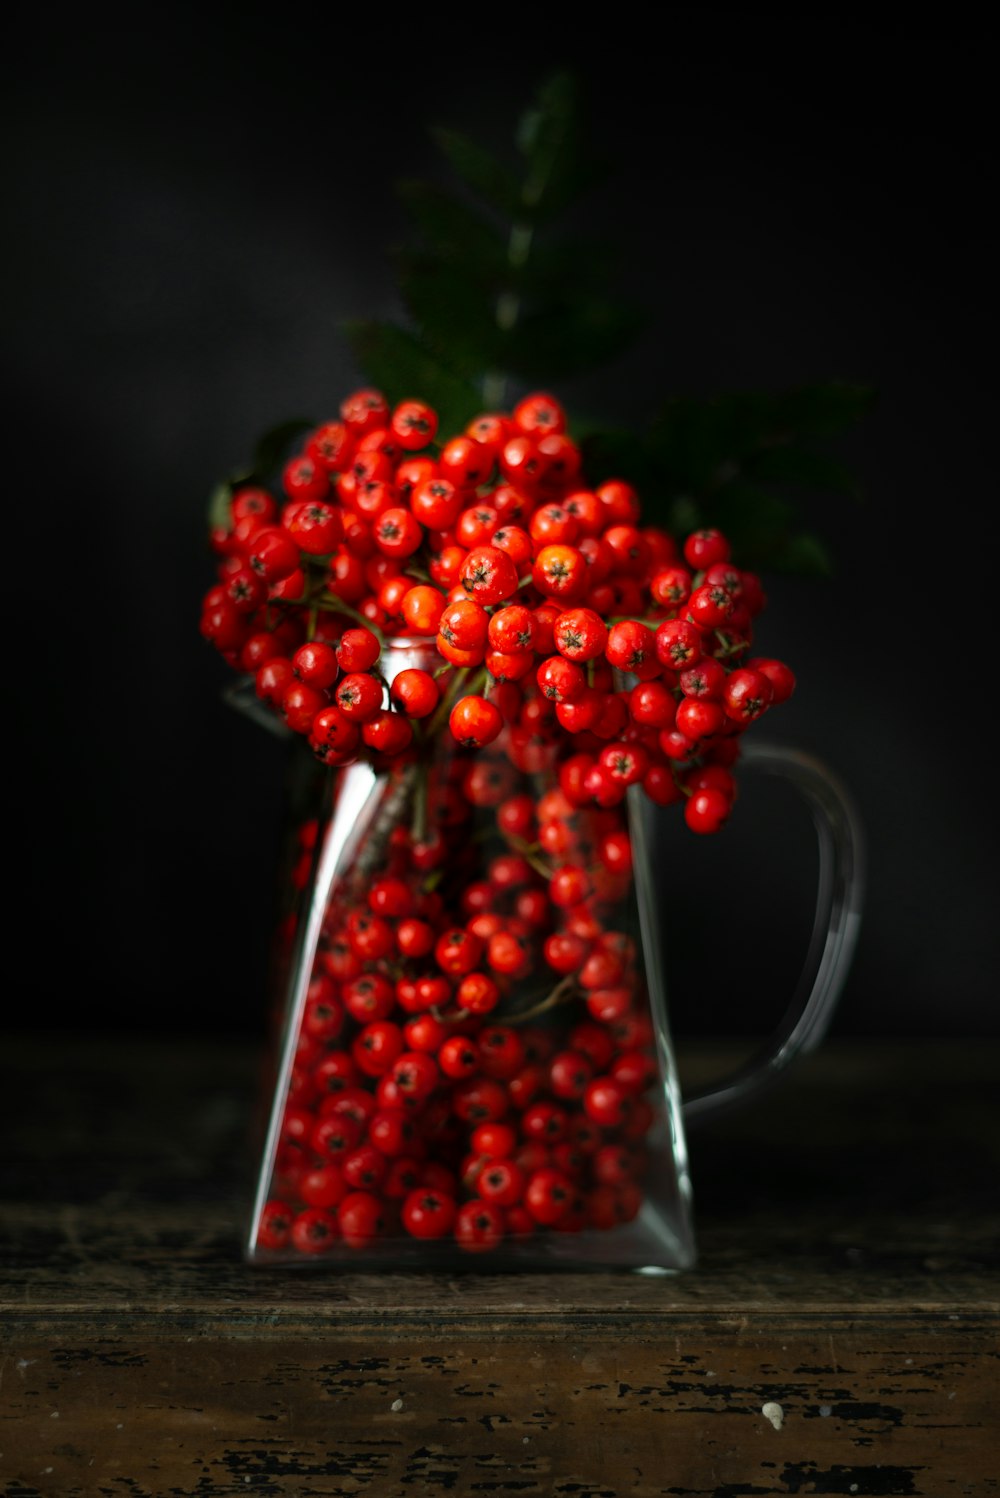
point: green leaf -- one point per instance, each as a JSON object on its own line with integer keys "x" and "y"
{"x": 452, "y": 228}
{"x": 796, "y": 465}
{"x": 805, "y": 555}
{"x": 551, "y": 138}
{"x": 486, "y": 296}
{"x": 219, "y": 517}
{"x": 824, "y": 409}
{"x": 562, "y": 341}
{"x": 565, "y": 270}
{"x": 761, "y": 527}
{"x": 741, "y": 509}
{"x": 455, "y": 313}
{"x": 741, "y": 421}
{"x": 273, "y": 447}
{"x": 688, "y": 443}
{"x": 401, "y": 366}
{"x": 609, "y": 453}
{"x": 685, "y": 515}
{"x": 480, "y": 171}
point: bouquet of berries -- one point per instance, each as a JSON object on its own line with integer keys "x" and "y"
{"x": 563, "y": 628}
{"x": 509, "y": 653}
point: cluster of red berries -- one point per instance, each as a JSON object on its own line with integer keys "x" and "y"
{"x": 475, "y": 1060}
{"x": 556, "y": 615}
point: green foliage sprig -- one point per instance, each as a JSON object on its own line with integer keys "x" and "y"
{"x": 744, "y": 462}
{"x": 500, "y": 291}
{"x": 497, "y": 289}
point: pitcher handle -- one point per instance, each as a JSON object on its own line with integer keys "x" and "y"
{"x": 839, "y": 901}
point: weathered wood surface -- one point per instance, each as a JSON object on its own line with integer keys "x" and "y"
{"x": 849, "y": 1235}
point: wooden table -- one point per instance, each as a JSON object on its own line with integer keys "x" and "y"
{"x": 838, "y": 1336}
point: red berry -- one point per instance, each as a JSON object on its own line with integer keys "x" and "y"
{"x": 479, "y": 1226}
{"x": 475, "y": 722}
{"x": 561, "y": 680}
{"x": 678, "y": 643}
{"x": 457, "y": 952}
{"x": 548, "y": 1195}
{"x": 331, "y": 446}
{"x": 427, "y": 1213}
{"x": 501, "y": 1182}
{"x": 415, "y": 693}
{"x": 358, "y": 650}
{"x": 494, "y": 1140}
{"x": 619, "y": 502}
{"x": 699, "y": 717}
{"x": 315, "y": 526}
{"x": 466, "y": 461}
{"x": 710, "y": 606}
{"x": 539, "y": 413}
{"x": 478, "y": 993}
{"x": 361, "y": 1217}
{"x": 414, "y": 425}
{"x": 359, "y": 697}
{"x": 314, "y": 1231}
{"x": 316, "y": 664}
{"x": 707, "y": 810}
{"x": 387, "y": 733}
{"x": 365, "y": 410}
{"x": 607, "y": 1102}
{"x": 273, "y": 554}
{"x": 747, "y": 694}
{"x": 704, "y": 548}
{"x": 631, "y": 647}
{"x": 458, "y": 1057}
{"x": 778, "y": 674}
{"x": 560, "y": 572}
{"x": 580, "y": 634}
{"x": 274, "y": 1227}
{"x": 488, "y": 575}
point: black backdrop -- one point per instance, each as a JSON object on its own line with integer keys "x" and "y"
{"x": 196, "y": 201}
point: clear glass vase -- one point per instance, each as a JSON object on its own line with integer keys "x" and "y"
{"x": 472, "y": 1060}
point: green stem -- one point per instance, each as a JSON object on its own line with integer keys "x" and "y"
{"x": 508, "y": 307}
{"x": 338, "y": 606}
{"x": 462, "y": 686}
{"x": 628, "y": 619}
{"x": 561, "y": 994}
{"x": 529, "y": 852}
{"x": 494, "y": 390}
{"x": 418, "y": 824}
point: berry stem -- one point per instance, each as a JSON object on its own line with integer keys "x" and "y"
{"x": 418, "y": 823}
{"x": 464, "y": 684}
{"x": 530, "y": 853}
{"x": 628, "y": 619}
{"x": 561, "y": 994}
{"x": 508, "y": 304}
{"x": 338, "y": 606}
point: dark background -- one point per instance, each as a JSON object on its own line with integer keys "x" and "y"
{"x": 196, "y": 202}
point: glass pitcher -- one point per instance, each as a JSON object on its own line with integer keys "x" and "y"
{"x": 472, "y": 1064}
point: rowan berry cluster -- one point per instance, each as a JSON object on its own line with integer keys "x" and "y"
{"x": 475, "y": 1060}
{"x": 514, "y": 651}
{"x": 558, "y": 617}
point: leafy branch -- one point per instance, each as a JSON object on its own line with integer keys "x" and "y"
{"x": 495, "y": 288}
{"x": 498, "y": 290}
{"x": 743, "y": 462}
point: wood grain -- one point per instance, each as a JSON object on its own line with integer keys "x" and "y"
{"x": 848, "y": 1227}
